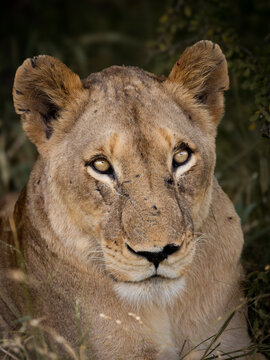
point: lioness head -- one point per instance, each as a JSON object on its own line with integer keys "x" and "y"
{"x": 127, "y": 162}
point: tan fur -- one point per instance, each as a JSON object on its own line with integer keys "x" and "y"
{"x": 73, "y": 224}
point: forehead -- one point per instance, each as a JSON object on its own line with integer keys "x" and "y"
{"x": 132, "y": 105}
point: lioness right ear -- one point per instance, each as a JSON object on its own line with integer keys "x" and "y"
{"x": 202, "y": 71}
{"x": 43, "y": 88}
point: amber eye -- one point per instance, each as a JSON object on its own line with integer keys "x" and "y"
{"x": 101, "y": 165}
{"x": 181, "y": 157}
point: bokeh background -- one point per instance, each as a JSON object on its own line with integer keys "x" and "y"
{"x": 89, "y": 35}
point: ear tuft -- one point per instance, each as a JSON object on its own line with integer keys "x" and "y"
{"x": 43, "y": 87}
{"x": 202, "y": 70}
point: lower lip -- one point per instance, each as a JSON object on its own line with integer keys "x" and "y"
{"x": 156, "y": 278}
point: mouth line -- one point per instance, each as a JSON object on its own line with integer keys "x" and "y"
{"x": 155, "y": 278}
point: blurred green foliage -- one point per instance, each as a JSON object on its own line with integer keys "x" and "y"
{"x": 89, "y": 35}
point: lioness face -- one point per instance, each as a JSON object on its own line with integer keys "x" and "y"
{"x": 130, "y": 168}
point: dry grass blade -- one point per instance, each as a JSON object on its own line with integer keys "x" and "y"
{"x": 8, "y": 354}
{"x": 222, "y": 329}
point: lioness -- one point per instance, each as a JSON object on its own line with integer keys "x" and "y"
{"x": 127, "y": 246}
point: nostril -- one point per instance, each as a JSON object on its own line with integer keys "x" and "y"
{"x": 156, "y": 257}
{"x": 131, "y": 250}
{"x": 171, "y": 249}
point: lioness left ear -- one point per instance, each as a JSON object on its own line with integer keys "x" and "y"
{"x": 43, "y": 88}
{"x": 202, "y": 70}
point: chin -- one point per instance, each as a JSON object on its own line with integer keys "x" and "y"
{"x": 153, "y": 291}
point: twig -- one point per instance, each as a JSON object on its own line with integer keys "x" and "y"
{"x": 8, "y": 353}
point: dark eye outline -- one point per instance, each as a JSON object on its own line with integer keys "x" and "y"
{"x": 109, "y": 172}
{"x": 181, "y": 147}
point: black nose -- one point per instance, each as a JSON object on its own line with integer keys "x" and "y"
{"x": 156, "y": 257}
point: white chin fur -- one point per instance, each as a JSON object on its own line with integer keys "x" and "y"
{"x": 155, "y": 291}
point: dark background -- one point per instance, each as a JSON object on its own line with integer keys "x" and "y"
{"x": 89, "y": 35}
